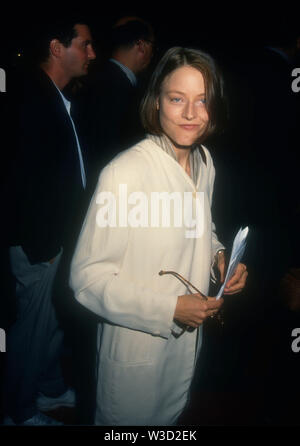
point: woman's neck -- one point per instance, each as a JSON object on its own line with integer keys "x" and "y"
{"x": 183, "y": 157}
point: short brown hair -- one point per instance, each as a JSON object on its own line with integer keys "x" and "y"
{"x": 174, "y": 58}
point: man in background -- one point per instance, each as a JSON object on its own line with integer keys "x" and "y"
{"x": 109, "y": 105}
{"x": 47, "y": 191}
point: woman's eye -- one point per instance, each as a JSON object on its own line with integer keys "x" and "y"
{"x": 202, "y": 101}
{"x": 176, "y": 100}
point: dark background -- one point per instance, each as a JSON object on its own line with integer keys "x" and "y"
{"x": 233, "y": 34}
{"x": 217, "y": 27}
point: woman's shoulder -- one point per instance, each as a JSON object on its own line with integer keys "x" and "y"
{"x": 207, "y": 156}
{"x": 130, "y": 164}
{"x": 137, "y": 154}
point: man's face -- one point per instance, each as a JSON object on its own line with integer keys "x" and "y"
{"x": 144, "y": 52}
{"x": 149, "y": 45}
{"x": 76, "y": 58}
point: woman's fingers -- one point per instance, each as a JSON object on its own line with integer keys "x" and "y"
{"x": 238, "y": 280}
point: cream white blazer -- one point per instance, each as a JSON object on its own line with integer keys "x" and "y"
{"x": 144, "y": 371}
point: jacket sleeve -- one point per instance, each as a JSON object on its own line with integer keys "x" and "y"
{"x": 216, "y": 244}
{"x": 38, "y": 198}
{"x": 96, "y": 271}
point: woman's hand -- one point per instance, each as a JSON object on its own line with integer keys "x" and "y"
{"x": 221, "y": 264}
{"x": 192, "y": 309}
{"x": 237, "y": 282}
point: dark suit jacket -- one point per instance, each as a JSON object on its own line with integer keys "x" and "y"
{"x": 108, "y": 114}
{"x": 48, "y": 199}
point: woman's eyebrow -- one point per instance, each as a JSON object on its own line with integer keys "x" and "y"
{"x": 181, "y": 92}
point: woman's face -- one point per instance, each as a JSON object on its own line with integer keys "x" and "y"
{"x": 181, "y": 104}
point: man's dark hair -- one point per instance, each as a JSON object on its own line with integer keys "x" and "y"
{"x": 126, "y": 35}
{"x": 62, "y": 29}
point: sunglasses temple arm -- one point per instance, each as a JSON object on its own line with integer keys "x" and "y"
{"x": 184, "y": 281}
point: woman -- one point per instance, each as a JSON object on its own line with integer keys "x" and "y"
{"x": 146, "y": 354}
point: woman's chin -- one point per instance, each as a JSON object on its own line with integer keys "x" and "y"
{"x": 185, "y": 142}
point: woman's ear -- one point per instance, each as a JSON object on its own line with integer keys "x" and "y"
{"x": 157, "y": 103}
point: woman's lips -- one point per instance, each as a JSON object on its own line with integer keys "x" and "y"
{"x": 189, "y": 127}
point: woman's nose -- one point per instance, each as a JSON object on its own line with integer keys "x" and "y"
{"x": 189, "y": 111}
